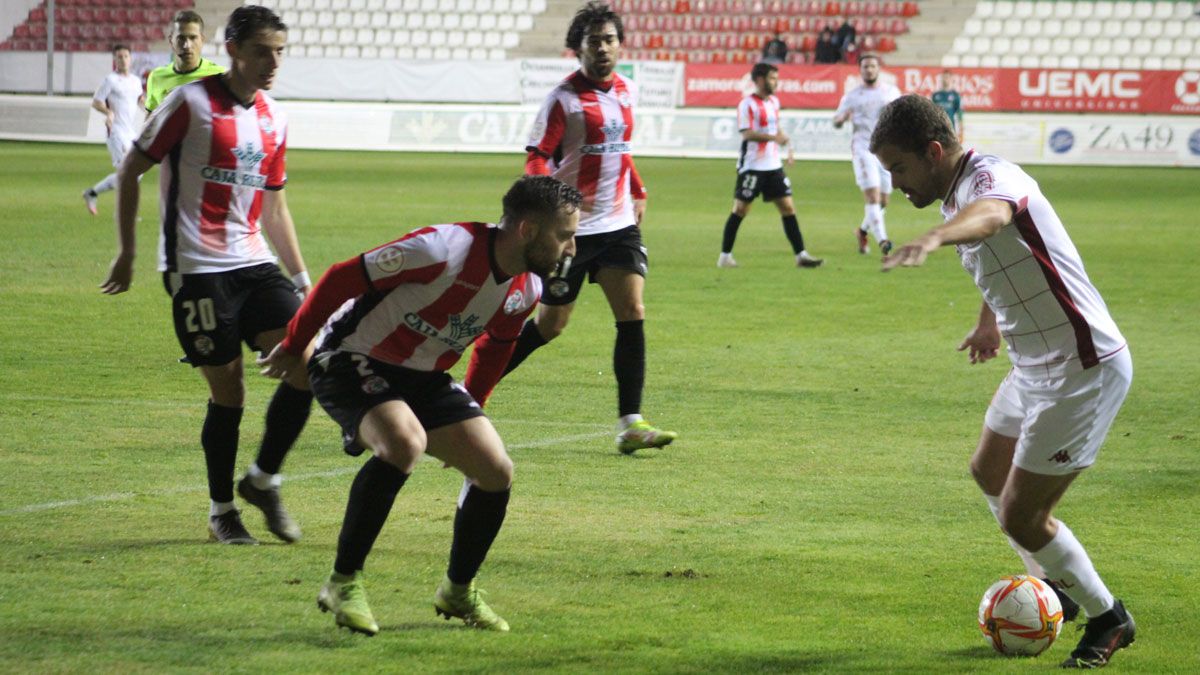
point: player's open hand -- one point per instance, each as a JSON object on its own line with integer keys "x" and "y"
{"x": 279, "y": 363}
{"x": 912, "y": 254}
{"x": 639, "y": 210}
{"x": 982, "y": 344}
{"x": 120, "y": 276}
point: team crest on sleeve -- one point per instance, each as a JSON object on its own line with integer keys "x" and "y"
{"x": 558, "y": 287}
{"x": 514, "y": 302}
{"x": 982, "y": 184}
{"x": 390, "y": 259}
{"x": 624, "y": 100}
{"x": 266, "y": 125}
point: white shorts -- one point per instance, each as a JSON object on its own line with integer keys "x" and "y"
{"x": 118, "y": 146}
{"x": 1060, "y": 423}
{"x": 869, "y": 173}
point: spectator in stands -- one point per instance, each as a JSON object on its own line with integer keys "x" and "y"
{"x": 846, "y": 37}
{"x": 826, "y": 51}
{"x": 186, "y": 37}
{"x": 775, "y": 51}
{"x": 118, "y": 99}
{"x": 949, "y": 100}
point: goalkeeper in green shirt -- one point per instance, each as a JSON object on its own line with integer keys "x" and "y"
{"x": 949, "y": 100}
{"x": 186, "y": 38}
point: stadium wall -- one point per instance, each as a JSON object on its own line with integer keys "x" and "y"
{"x": 1033, "y": 137}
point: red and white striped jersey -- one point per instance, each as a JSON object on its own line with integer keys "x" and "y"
{"x": 585, "y": 132}
{"x": 761, "y": 115}
{"x": 419, "y": 301}
{"x": 217, "y": 158}
{"x": 1031, "y": 275}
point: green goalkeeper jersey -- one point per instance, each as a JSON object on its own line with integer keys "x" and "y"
{"x": 165, "y": 78}
{"x": 951, "y": 102}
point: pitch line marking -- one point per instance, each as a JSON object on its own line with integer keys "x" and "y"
{"x": 167, "y": 492}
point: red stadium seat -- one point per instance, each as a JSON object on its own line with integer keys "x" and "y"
{"x": 737, "y": 7}
{"x": 741, "y": 23}
{"x": 801, "y": 24}
{"x": 663, "y": 7}
{"x": 886, "y": 44}
{"x": 718, "y": 57}
{"x": 809, "y": 43}
{"x": 738, "y": 57}
{"x": 730, "y": 41}
{"x": 751, "y": 42}
{"x": 706, "y": 24}
{"x": 717, "y": 7}
{"x": 775, "y": 7}
{"x": 890, "y": 8}
{"x": 833, "y": 8}
{"x": 877, "y": 25}
{"x": 725, "y": 24}
{"x": 681, "y": 56}
{"x": 757, "y": 7}
{"x": 898, "y": 27}
{"x": 673, "y": 41}
{"x": 683, "y": 6}
{"x": 782, "y": 25}
{"x": 694, "y": 41}
{"x": 631, "y": 23}
{"x": 853, "y": 8}
{"x": 909, "y": 9}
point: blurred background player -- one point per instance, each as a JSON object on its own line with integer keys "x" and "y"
{"x": 186, "y": 37}
{"x": 760, "y": 170}
{"x": 226, "y": 143}
{"x": 861, "y": 106}
{"x": 395, "y": 319}
{"x": 119, "y": 99}
{"x": 1071, "y": 367}
{"x": 948, "y": 99}
{"x": 582, "y": 136}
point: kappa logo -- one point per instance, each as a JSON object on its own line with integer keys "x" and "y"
{"x": 514, "y": 302}
{"x": 390, "y": 259}
{"x": 1060, "y": 457}
{"x": 250, "y": 154}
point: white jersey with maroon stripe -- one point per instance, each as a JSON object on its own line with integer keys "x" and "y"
{"x": 1031, "y": 275}
{"x": 433, "y": 292}
{"x": 864, "y": 103}
{"x": 217, "y": 158}
{"x": 586, "y": 131}
{"x": 761, "y": 115}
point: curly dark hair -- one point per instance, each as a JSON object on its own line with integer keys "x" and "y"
{"x": 539, "y": 198}
{"x": 247, "y": 20}
{"x": 762, "y": 70}
{"x": 910, "y": 123}
{"x": 594, "y": 13}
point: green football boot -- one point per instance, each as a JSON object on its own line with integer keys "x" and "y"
{"x": 640, "y": 435}
{"x": 347, "y": 599}
{"x": 466, "y": 602}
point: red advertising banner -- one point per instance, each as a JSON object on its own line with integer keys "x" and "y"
{"x": 1170, "y": 92}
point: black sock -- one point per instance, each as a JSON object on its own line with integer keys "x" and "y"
{"x": 219, "y": 438}
{"x": 629, "y": 365}
{"x": 792, "y": 229}
{"x": 530, "y": 339}
{"x": 286, "y": 416}
{"x": 476, "y": 524}
{"x": 371, "y": 496}
{"x": 732, "y": 223}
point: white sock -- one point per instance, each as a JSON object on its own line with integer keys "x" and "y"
{"x": 625, "y": 420}
{"x": 874, "y": 221}
{"x": 1032, "y": 568}
{"x": 219, "y": 508}
{"x": 1070, "y": 568}
{"x": 724, "y": 257}
{"x": 263, "y": 480}
{"x": 109, "y": 183}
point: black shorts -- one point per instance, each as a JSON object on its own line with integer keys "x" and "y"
{"x": 347, "y": 385}
{"x": 770, "y": 184}
{"x": 215, "y": 313}
{"x": 620, "y": 249}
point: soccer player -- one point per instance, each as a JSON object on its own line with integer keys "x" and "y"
{"x": 395, "y": 319}
{"x": 760, "y": 170}
{"x": 186, "y": 37}
{"x": 949, "y": 100}
{"x": 118, "y": 99}
{"x": 860, "y": 106}
{"x": 225, "y": 141}
{"x": 582, "y": 136}
{"x": 1071, "y": 366}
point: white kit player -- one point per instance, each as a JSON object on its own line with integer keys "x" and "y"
{"x": 391, "y": 322}
{"x": 760, "y": 170}
{"x": 222, "y": 142}
{"x": 119, "y": 99}
{"x": 860, "y": 106}
{"x": 1071, "y": 367}
{"x": 582, "y": 136}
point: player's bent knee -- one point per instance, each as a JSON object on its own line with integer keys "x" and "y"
{"x": 495, "y": 476}
{"x": 401, "y": 452}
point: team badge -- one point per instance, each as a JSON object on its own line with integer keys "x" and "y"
{"x": 374, "y": 385}
{"x": 982, "y": 184}
{"x": 204, "y": 345}
{"x": 623, "y": 99}
{"x": 265, "y": 124}
{"x": 558, "y": 287}
{"x": 513, "y": 303}
{"x": 390, "y": 259}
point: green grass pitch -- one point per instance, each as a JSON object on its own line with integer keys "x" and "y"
{"x": 816, "y": 514}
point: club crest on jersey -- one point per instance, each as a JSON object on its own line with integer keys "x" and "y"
{"x": 982, "y": 184}
{"x": 514, "y": 302}
{"x": 204, "y": 345}
{"x": 266, "y": 125}
{"x": 251, "y": 154}
{"x": 624, "y": 100}
{"x": 390, "y": 259}
{"x": 614, "y": 140}
{"x": 374, "y": 385}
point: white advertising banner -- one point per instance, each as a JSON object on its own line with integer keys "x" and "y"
{"x": 1033, "y": 138}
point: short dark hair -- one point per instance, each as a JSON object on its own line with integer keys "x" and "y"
{"x": 910, "y": 123}
{"x": 539, "y": 198}
{"x": 118, "y": 47}
{"x": 187, "y": 16}
{"x": 762, "y": 70}
{"x": 247, "y": 20}
{"x": 870, "y": 55}
{"x": 595, "y": 13}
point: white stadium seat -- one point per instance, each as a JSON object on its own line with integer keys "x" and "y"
{"x": 393, "y": 5}
{"x": 1001, "y": 45}
{"x": 1081, "y": 46}
{"x": 446, "y": 6}
{"x": 1191, "y": 29}
{"x": 1184, "y": 10}
{"x": 464, "y": 6}
{"x": 311, "y": 36}
{"x": 419, "y": 38}
{"x": 470, "y": 22}
{"x": 973, "y": 26}
{"x": 383, "y": 37}
{"x": 1102, "y": 46}
{"x": 950, "y": 61}
{"x": 491, "y": 39}
{"x": 361, "y": 19}
{"x": 1013, "y": 26}
{"x": 1101, "y": 10}
{"x": 1143, "y": 47}
{"x": 355, "y": 5}
{"x": 1143, "y": 9}
{"x": 1051, "y": 28}
{"x": 333, "y": 52}
{"x": 343, "y": 19}
{"x": 401, "y": 38}
{"x": 1089, "y": 61}
{"x": 1062, "y": 10}
{"x": 1172, "y": 63}
{"x": 1163, "y": 47}
{"x": 397, "y": 20}
{"x": 537, "y": 6}
{"x": 985, "y": 8}
{"x": 1003, "y": 10}
{"x": 441, "y": 53}
{"x": 1153, "y": 28}
{"x": 1131, "y": 28}
{"x": 487, "y": 22}
{"x": 1131, "y": 62}
{"x": 345, "y": 36}
{"x": 1123, "y": 9}
{"x": 1093, "y": 28}
{"x": 962, "y": 45}
{"x": 1122, "y": 46}
{"x": 519, "y": 6}
{"x": 376, "y": 5}
{"x": 329, "y": 36}
{"x": 364, "y": 36}
{"x": 1044, "y": 9}
{"x": 379, "y": 19}
{"x": 1069, "y": 61}
{"x": 1113, "y": 28}
{"x": 1050, "y": 61}
{"x": 1030, "y": 61}
{"x": 1060, "y": 46}
{"x": 412, "y": 5}
{"x": 510, "y": 40}
{"x": 969, "y": 61}
{"x": 501, "y": 6}
{"x": 451, "y": 21}
{"x": 505, "y": 22}
{"x": 1023, "y": 9}
{"x": 989, "y": 61}
{"x": 416, "y": 20}
{"x": 1021, "y": 44}
{"x": 406, "y": 53}
{"x": 478, "y": 54}
{"x": 324, "y": 18}
{"x": 1184, "y": 47}
{"x": 351, "y": 52}
{"x": 483, "y": 6}
{"x": 1172, "y": 29}
{"x": 433, "y": 20}
{"x": 460, "y": 54}
{"x": 474, "y": 38}
{"x": 429, "y": 6}
{"x": 524, "y": 23}
{"x": 981, "y": 44}
{"x": 1072, "y": 27}
{"x": 1081, "y": 10}
{"x": 1110, "y": 62}
{"x": 1152, "y": 63}
{"x": 496, "y": 55}
{"x": 1010, "y": 61}
{"x": 1164, "y": 10}
{"x": 424, "y": 54}
{"x": 1041, "y": 45}
{"x": 387, "y": 53}
{"x": 456, "y": 38}
{"x": 437, "y": 38}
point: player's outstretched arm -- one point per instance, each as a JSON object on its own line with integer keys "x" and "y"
{"x": 983, "y": 342}
{"x": 976, "y": 222}
{"x": 280, "y": 363}
{"x": 120, "y": 273}
{"x": 281, "y": 230}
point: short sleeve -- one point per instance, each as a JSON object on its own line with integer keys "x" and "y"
{"x": 418, "y": 257}
{"x": 548, "y": 126}
{"x": 166, "y": 127}
{"x": 105, "y": 89}
{"x": 744, "y": 117}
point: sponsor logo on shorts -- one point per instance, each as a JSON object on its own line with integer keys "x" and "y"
{"x": 204, "y": 345}
{"x": 514, "y": 302}
{"x": 390, "y": 259}
{"x": 374, "y": 385}
{"x": 1061, "y": 457}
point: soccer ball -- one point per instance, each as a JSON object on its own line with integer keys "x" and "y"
{"x": 1020, "y": 615}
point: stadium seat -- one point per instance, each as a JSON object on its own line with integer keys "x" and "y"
{"x": 1100, "y": 10}
{"x": 1021, "y": 44}
{"x": 951, "y": 61}
{"x": 1173, "y": 63}
{"x": 1092, "y": 28}
{"x": 423, "y": 53}
{"x": 1013, "y": 26}
{"x": 981, "y": 44}
{"x": 1172, "y": 29}
{"x": 1130, "y": 62}
{"x": 1003, "y": 9}
{"x": 1131, "y": 28}
{"x": 985, "y": 9}
{"x": 1184, "y": 11}
{"x": 969, "y": 61}
{"x": 1143, "y": 47}
{"x": 1123, "y": 9}
{"x": 1191, "y": 29}
{"x": 351, "y": 52}
{"x": 1044, "y": 10}
{"x": 1001, "y": 44}
{"x": 1152, "y": 62}
{"x": 1089, "y": 61}
{"x": 989, "y": 61}
{"x": 1040, "y": 46}
{"x": 1010, "y": 61}
{"x": 1184, "y": 47}
{"x": 1023, "y": 9}
{"x": 1030, "y": 61}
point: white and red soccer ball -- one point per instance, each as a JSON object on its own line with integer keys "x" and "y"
{"x": 1020, "y": 616}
